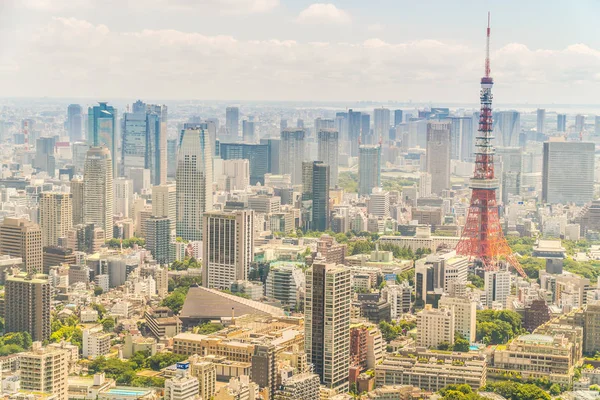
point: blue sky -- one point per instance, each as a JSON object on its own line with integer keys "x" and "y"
{"x": 542, "y": 51}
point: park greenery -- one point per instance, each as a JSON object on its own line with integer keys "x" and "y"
{"x": 391, "y": 330}
{"x": 208, "y": 328}
{"x": 124, "y": 372}
{"x": 127, "y": 243}
{"x": 509, "y": 390}
{"x": 67, "y": 330}
{"x": 497, "y": 326}
{"x": 174, "y": 301}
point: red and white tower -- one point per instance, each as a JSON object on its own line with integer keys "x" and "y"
{"x": 482, "y": 237}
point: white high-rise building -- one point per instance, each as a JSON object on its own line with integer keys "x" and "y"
{"x": 237, "y": 174}
{"x": 291, "y": 154}
{"x": 435, "y": 326}
{"x": 232, "y": 121}
{"x": 329, "y": 152}
{"x": 194, "y": 182}
{"x": 379, "y": 203}
{"x": 98, "y": 190}
{"x": 56, "y": 216}
{"x": 507, "y": 128}
{"x": 181, "y": 387}
{"x": 438, "y": 155}
{"x": 123, "y": 196}
{"x": 96, "y": 343}
{"x": 327, "y": 323}
{"x": 424, "y": 184}
{"x": 77, "y": 199}
{"x": 496, "y": 287}
{"x": 381, "y": 121}
{"x": 464, "y": 311}
{"x": 228, "y": 247}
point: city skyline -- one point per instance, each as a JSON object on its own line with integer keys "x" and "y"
{"x": 341, "y": 50}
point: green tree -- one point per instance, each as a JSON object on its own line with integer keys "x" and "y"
{"x": 208, "y": 328}
{"x": 175, "y": 300}
{"x": 98, "y": 291}
{"x": 476, "y": 280}
{"x": 460, "y": 343}
{"x": 444, "y": 346}
{"x": 108, "y": 324}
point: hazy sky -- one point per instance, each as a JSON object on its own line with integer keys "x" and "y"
{"x": 542, "y": 51}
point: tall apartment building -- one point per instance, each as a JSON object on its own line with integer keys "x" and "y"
{"x": 369, "y": 169}
{"x": 103, "y": 132}
{"x": 27, "y": 305}
{"x": 55, "y": 255}
{"x": 194, "y": 182}
{"x": 315, "y": 191}
{"x": 56, "y": 216}
{"x": 496, "y": 287}
{"x": 303, "y": 386}
{"x": 45, "y": 370}
{"x": 435, "y": 326}
{"x": 86, "y": 237}
{"x": 381, "y": 124}
{"x": 591, "y": 340}
{"x": 164, "y": 201}
{"x": 96, "y": 343}
{"x": 568, "y": 172}
{"x": 438, "y": 155}
{"x": 228, "y": 247}
{"x": 77, "y": 201}
{"x": 158, "y": 239}
{"x": 291, "y": 149}
{"x": 327, "y": 323}
{"x": 329, "y": 152}
{"x": 464, "y": 311}
{"x": 424, "y": 184}
{"x": 22, "y": 238}
{"x": 206, "y": 372}
{"x": 264, "y": 367}
{"x": 98, "y": 190}
{"x": 379, "y": 203}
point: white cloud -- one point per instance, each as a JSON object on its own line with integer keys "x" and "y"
{"x": 321, "y": 13}
{"x": 377, "y": 27}
{"x": 72, "y": 57}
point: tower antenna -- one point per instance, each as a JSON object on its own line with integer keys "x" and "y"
{"x": 487, "y": 49}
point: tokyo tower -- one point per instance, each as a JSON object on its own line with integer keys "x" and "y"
{"x": 482, "y": 238}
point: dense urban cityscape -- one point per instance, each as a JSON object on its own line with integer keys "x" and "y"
{"x": 230, "y": 250}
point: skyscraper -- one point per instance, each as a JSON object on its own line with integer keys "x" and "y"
{"x": 561, "y": 122}
{"x": 369, "y": 169}
{"x": 145, "y": 141}
{"x": 397, "y": 117}
{"x": 259, "y": 157}
{"x": 354, "y": 131}
{"x": 512, "y": 168}
{"x": 44, "y": 155}
{"x": 123, "y": 196}
{"x": 248, "y": 131}
{"x": 98, "y": 190}
{"x": 315, "y": 192}
{"x": 541, "y": 120}
{"x": 228, "y": 247}
{"x": 232, "y": 121}
{"x": 462, "y": 145}
{"x": 568, "y": 172}
{"x": 329, "y": 152}
{"x": 579, "y": 123}
{"x": 327, "y": 323}
{"x": 27, "y": 303}
{"x": 56, "y": 216}
{"x": 171, "y": 158}
{"x": 507, "y": 128}
{"x": 77, "y": 200}
{"x": 164, "y": 201}
{"x": 23, "y": 238}
{"x": 74, "y": 122}
{"x": 158, "y": 239}
{"x": 292, "y": 154}
{"x": 597, "y": 125}
{"x": 438, "y": 155}
{"x": 365, "y": 130}
{"x": 381, "y": 121}
{"x": 194, "y": 182}
{"x": 102, "y": 130}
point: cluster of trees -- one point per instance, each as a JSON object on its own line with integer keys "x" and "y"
{"x": 127, "y": 243}
{"x": 459, "y": 392}
{"x": 366, "y": 246}
{"x": 125, "y": 372}
{"x": 14, "y": 342}
{"x": 460, "y": 344}
{"x": 391, "y": 330}
{"x": 476, "y": 280}
{"x": 174, "y": 301}
{"x": 184, "y": 281}
{"x": 498, "y": 327}
{"x": 587, "y": 269}
{"x": 208, "y": 328}
{"x": 348, "y": 181}
{"x": 519, "y": 391}
{"x": 68, "y": 330}
{"x": 186, "y": 264}
{"x": 521, "y": 245}
{"x": 397, "y": 183}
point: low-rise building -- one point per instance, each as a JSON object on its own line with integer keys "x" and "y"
{"x": 162, "y": 323}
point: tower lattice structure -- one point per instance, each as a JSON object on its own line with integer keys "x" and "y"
{"x": 482, "y": 236}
